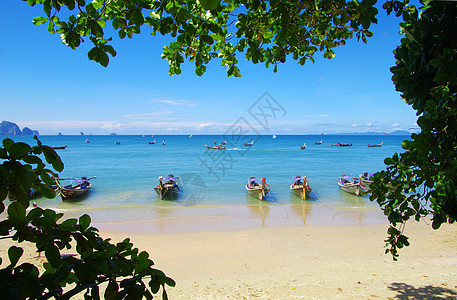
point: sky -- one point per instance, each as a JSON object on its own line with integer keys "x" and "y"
{"x": 49, "y": 87}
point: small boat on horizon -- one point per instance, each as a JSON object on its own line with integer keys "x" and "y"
{"x": 318, "y": 143}
{"x": 87, "y": 141}
{"x": 59, "y": 147}
{"x": 341, "y": 144}
{"x": 76, "y": 188}
{"x": 303, "y": 147}
{"x": 352, "y": 184}
{"x": 375, "y": 145}
{"x": 300, "y": 187}
{"x": 152, "y": 142}
{"x": 117, "y": 143}
{"x": 274, "y": 136}
{"x": 257, "y": 190}
{"x": 215, "y": 147}
{"x": 167, "y": 187}
{"x": 249, "y": 144}
{"x": 163, "y": 143}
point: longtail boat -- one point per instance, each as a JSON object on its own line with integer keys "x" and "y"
{"x": 375, "y": 145}
{"x": 167, "y": 187}
{"x": 352, "y": 184}
{"x": 318, "y": 143}
{"x": 256, "y": 189}
{"x": 300, "y": 187}
{"x": 59, "y": 147}
{"x": 249, "y": 144}
{"x": 76, "y": 188}
{"x": 341, "y": 144}
{"x": 303, "y": 147}
{"x": 215, "y": 147}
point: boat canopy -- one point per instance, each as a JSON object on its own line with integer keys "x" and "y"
{"x": 298, "y": 178}
{"x": 169, "y": 178}
{"x": 252, "y": 179}
{"x": 348, "y": 177}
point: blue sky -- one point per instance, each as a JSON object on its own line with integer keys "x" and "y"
{"x": 49, "y": 87}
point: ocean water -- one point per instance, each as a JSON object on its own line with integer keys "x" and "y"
{"x": 212, "y": 182}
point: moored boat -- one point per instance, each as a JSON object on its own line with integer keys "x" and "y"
{"x": 152, "y": 142}
{"x": 303, "y": 147}
{"x": 76, "y": 188}
{"x": 249, "y": 144}
{"x": 341, "y": 144}
{"x": 318, "y": 143}
{"x": 256, "y": 189}
{"x": 352, "y": 184}
{"x": 167, "y": 187}
{"x": 117, "y": 143}
{"x": 300, "y": 187}
{"x": 365, "y": 180}
{"x": 163, "y": 143}
{"x": 375, "y": 145}
{"x": 215, "y": 147}
{"x": 59, "y": 147}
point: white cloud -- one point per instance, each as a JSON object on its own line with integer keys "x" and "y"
{"x": 324, "y": 116}
{"x": 155, "y": 115}
{"x": 176, "y": 102}
{"x": 395, "y": 125}
{"x": 369, "y": 124}
{"x": 203, "y": 125}
{"x": 112, "y": 126}
{"x": 355, "y": 125}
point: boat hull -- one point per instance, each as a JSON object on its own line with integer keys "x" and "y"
{"x": 258, "y": 193}
{"x": 352, "y": 188}
{"x": 74, "y": 192}
{"x": 298, "y": 190}
{"x": 166, "y": 192}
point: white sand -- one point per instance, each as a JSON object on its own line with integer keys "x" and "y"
{"x": 301, "y": 262}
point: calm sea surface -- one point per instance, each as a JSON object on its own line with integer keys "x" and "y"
{"x": 212, "y": 181}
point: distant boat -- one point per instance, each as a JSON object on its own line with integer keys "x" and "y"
{"x": 163, "y": 143}
{"x": 224, "y": 142}
{"x": 143, "y": 135}
{"x": 87, "y": 141}
{"x": 76, "y": 187}
{"x": 215, "y": 147}
{"x": 117, "y": 143}
{"x": 300, "y": 187}
{"x": 341, "y": 144}
{"x": 318, "y": 143}
{"x": 152, "y": 143}
{"x": 59, "y": 147}
{"x": 257, "y": 190}
{"x": 303, "y": 147}
{"x": 249, "y": 144}
{"x": 167, "y": 186}
{"x": 274, "y": 136}
{"x": 352, "y": 184}
{"x": 375, "y": 145}
{"x": 190, "y": 136}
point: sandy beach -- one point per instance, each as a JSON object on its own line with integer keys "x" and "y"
{"x": 295, "y": 262}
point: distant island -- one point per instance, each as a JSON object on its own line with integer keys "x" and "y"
{"x": 10, "y": 128}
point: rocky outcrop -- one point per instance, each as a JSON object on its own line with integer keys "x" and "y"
{"x": 10, "y": 128}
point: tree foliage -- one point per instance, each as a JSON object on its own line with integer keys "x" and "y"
{"x": 416, "y": 183}
{"x": 264, "y": 31}
{"x": 423, "y": 179}
{"x": 124, "y": 268}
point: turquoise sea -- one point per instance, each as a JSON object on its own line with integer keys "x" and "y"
{"x": 212, "y": 182}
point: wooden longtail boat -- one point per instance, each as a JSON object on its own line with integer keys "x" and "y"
{"x": 300, "y": 187}
{"x": 249, "y": 144}
{"x": 341, "y": 144}
{"x": 152, "y": 143}
{"x": 352, "y": 184}
{"x": 215, "y": 147}
{"x": 375, "y": 145}
{"x": 257, "y": 190}
{"x": 318, "y": 143}
{"x": 59, "y": 147}
{"x": 303, "y": 147}
{"x": 167, "y": 187}
{"x": 76, "y": 188}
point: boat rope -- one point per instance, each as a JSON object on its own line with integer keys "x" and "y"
{"x": 325, "y": 204}
{"x": 275, "y": 203}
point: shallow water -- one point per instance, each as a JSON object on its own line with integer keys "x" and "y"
{"x": 212, "y": 181}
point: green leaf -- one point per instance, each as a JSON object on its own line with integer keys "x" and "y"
{"x": 14, "y": 254}
{"x": 210, "y": 4}
{"x": 16, "y": 211}
{"x": 52, "y": 253}
{"x": 52, "y": 158}
{"x": 39, "y": 20}
{"x": 84, "y": 222}
{"x": 47, "y": 191}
